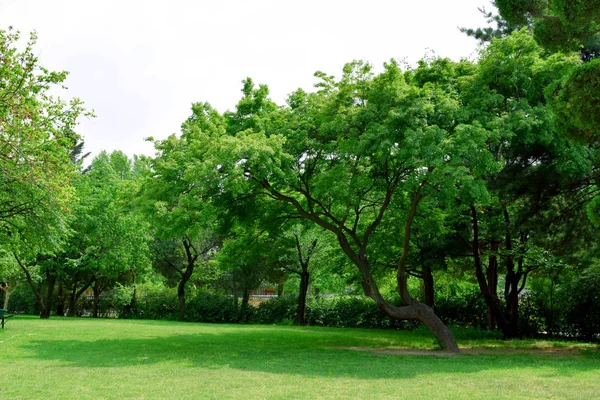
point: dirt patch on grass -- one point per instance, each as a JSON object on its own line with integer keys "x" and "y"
{"x": 567, "y": 351}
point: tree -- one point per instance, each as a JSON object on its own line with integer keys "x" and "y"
{"x": 535, "y": 167}
{"x": 37, "y": 132}
{"x": 362, "y": 152}
{"x": 175, "y": 205}
{"x": 110, "y": 239}
{"x": 567, "y": 25}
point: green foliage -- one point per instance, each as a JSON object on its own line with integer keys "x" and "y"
{"x": 276, "y": 310}
{"x": 579, "y": 302}
{"x": 213, "y": 308}
{"x": 575, "y": 100}
{"x": 22, "y": 300}
{"x": 37, "y": 132}
{"x": 461, "y": 304}
{"x": 155, "y": 301}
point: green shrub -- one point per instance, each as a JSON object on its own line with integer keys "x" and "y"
{"x": 22, "y": 300}
{"x": 462, "y": 307}
{"x": 207, "y": 307}
{"x": 578, "y": 302}
{"x": 276, "y": 310}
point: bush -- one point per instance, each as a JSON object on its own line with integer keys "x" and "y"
{"x": 153, "y": 301}
{"x": 276, "y": 310}
{"x": 207, "y": 307}
{"x": 462, "y": 307}
{"x": 22, "y": 300}
{"x": 578, "y": 303}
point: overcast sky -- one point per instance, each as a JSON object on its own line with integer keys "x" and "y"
{"x": 141, "y": 64}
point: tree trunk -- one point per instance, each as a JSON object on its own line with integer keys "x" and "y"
{"x": 428, "y": 286}
{"x": 301, "y": 310}
{"x": 7, "y": 292}
{"x": 280, "y": 290}
{"x": 491, "y": 299}
{"x": 32, "y": 285}
{"x": 244, "y": 306}
{"x": 73, "y": 301}
{"x": 492, "y": 282}
{"x": 60, "y": 306}
{"x": 236, "y": 301}
{"x": 181, "y": 300}
{"x": 186, "y": 274}
{"x": 511, "y": 285}
{"x": 96, "y": 299}
{"x": 50, "y": 282}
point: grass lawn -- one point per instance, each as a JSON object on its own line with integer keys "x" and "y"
{"x": 84, "y": 358}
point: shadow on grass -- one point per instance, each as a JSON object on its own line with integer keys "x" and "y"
{"x": 290, "y": 351}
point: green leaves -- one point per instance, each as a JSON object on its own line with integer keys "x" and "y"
{"x": 37, "y": 133}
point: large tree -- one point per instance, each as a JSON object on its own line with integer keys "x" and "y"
{"x": 37, "y": 133}
{"x": 363, "y": 151}
{"x": 567, "y": 25}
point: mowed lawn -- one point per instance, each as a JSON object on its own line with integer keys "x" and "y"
{"x": 65, "y": 358}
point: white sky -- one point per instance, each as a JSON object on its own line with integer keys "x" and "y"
{"x": 141, "y": 64}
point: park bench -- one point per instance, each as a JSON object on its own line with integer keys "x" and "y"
{"x": 4, "y": 315}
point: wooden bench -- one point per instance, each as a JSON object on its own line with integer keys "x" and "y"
{"x": 4, "y": 315}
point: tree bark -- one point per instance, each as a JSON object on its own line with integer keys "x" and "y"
{"x": 491, "y": 299}
{"x": 76, "y": 294}
{"x": 492, "y": 282}
{"x": 50, "y": 283}
{"x": 96, "y": 299}
{"x": 511, "y": 283}
{"x": 428, "y": 286}
{"x": 301, "y": 309}
{"x": 412, "y": 309}
{"x": 244, "y": 305}
{"x": 304, "y": 279}
{"x": 186, "y": 274}
{"x": 60, "y": 306}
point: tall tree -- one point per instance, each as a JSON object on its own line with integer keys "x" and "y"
{"x": 567, "y": 25}
{"x": 535, "y": 164}
{"x": 176, "y": 205}
{"x": 37, "y": 132}
{"x": 363, "y": 151}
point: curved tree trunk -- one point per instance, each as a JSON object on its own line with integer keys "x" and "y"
{"x": 357, "y": 253}
{"x": 33, "y": 287}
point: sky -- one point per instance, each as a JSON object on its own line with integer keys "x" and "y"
{"x": 141, "y": 64}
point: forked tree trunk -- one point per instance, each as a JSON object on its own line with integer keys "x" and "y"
{"x": 357, "y": 253}
{"x": 304, "y": 275}
{"x": 36, "y": 292}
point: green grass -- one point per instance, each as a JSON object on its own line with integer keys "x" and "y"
{"x": 84, "y": 358}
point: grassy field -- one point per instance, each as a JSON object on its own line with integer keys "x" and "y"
{"x": 65, "y": 358}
